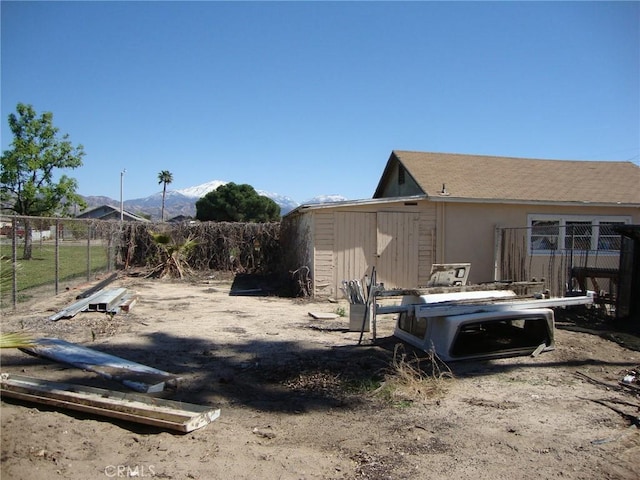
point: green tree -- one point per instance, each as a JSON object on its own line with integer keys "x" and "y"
{"x": 27, "y": 185}
{"x": 236, "y": 203}
{"x": 165, "y": 177}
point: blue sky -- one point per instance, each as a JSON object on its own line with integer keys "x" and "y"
{"x": 310, "y": 98}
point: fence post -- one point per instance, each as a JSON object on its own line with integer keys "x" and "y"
{"x": 109, "y": 252}
{"x": 497, "y": 249}
{"x": 88, "y": 252}
{"x": 14, "y": 261}
{"x": 570, "y": 269}
{"x": 57, "y": 256}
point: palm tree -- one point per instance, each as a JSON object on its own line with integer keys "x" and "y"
{"x": 165, "y": 177}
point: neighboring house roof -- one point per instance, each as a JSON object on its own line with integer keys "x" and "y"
{"x": 107, "y": 212}
{"x": 489, "y": 178}
{"x": 180, "y": 218}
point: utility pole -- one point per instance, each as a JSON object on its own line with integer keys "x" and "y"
{"x": 121, "y": 199}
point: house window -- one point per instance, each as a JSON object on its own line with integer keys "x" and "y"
{"x": 401, "y": 175}
{"x": 550, "y": 233}
{"x": 545, "y": 234}
{"x": 608, "y": 239}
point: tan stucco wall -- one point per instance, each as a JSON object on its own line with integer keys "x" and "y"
{"x": 449, "y": 232}
{"x": 466, "y": 231}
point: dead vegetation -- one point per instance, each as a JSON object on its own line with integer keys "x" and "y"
{"x": 173, "y": 255}
{"x": 414, "y": 380}
{"x": 221, "y": 246}
{"x": 187, "y": 249}
{"x": 15, "y": 340}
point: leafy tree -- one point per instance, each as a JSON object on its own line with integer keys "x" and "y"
{"x": 165, "y": 177}
{"x": 27, "y": 186}
{"x": 236, "y": 203}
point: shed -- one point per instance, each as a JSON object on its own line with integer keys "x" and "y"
{"x": 448, "y": 208}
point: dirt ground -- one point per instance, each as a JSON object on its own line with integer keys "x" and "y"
{"x": 300, "y": 399}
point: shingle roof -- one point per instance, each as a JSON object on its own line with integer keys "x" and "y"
{"x": 104, "y": 212}
{"x": 523, "y": 179}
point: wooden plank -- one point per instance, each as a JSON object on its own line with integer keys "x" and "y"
{"x": 323, "y": 315}
{"x": 180, "y": 416}
{"x": 128, "y": 301}
{"x": 99, "y": 286}
{"x": 134, "y": 375}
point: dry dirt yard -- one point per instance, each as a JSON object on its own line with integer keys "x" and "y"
{"x": 300, "y": 399}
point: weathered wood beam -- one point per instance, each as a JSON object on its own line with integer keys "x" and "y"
{"x": 179, "y": 416}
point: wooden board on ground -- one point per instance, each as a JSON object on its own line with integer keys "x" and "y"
{"x": 136, "y": 376}
{"x": 323, "y": 315}
{"x": 179, "y": 416}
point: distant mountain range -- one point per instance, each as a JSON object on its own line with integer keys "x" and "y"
{"x": 183, "y": 202}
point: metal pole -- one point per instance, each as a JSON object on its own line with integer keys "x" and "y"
{"x": 498, "y": 232}
{"x": 88, "y": 252}
{"x": 121, "y": 199}
{"x": 110, "y": 252}
{"x": 57, "y": 255}
{"x": 14, "y": 261}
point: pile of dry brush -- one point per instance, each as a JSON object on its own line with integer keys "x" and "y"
{"x": 222, "y": 246}
{"x": 242, "y": 248}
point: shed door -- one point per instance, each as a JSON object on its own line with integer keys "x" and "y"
{"x": 355, "y": 245}
{"x": 397, "y": 249}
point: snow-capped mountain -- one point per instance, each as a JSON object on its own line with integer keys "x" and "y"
{"x": 200, "y": 191}
{"x": 286, "y": 203}
{"x": 326, "y": 199}
{"x": 183, "y": 201}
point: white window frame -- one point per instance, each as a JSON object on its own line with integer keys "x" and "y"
{"x": 562, "y": 220}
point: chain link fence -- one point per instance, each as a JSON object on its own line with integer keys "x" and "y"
{"x": 569, "y": 257}
{"x": 67, "y": 252}
{"x": 41, "y": 256}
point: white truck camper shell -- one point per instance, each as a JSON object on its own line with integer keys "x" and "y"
{"x": 479, "y": 324}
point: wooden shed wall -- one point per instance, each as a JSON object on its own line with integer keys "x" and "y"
{"x": 324, "y": 240}
{"x": 397, "y": 248}
{"x": 398, "y": 240}
{"x": 355, "y": 243}
{"x": 426, "y": 242}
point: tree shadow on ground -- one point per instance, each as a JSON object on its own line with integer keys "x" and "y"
{"x": 245, "y": 284}
{"x": 593, "y": 321}
{"x": 270, "y": 375}
{"x": 481, "y": 367}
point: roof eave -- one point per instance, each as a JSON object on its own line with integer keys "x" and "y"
{"x": 509, "y": 201}
{"x": 349, "y": 203}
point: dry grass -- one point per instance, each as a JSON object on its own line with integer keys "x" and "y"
{"x": 417, "y": 379}
{"x": 15, "y": 340}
